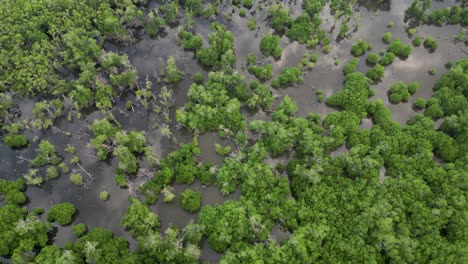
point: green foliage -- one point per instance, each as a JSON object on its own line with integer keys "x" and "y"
{"x": 242, "y": 12}
{"x": 15, "y": 141}
{"x": 61, "y": 213}
{"x": 191, "y": 41}
{"x": 376, "y": 73}
{"x": 46, "y": 113}
{"x": 210, "y": 10}
{"x": 173, "y": 74}
{"x": 190, "y": 200}
{"x": 100, "y": 246}
{"x": 251, "y": 59}
{"x": 76, "y": 178}
{"x": 79, "y": 229}
{"x": 170, "y": 12}
{"x": 431, "y": 43}
{"x": 353, "y": 97}
{"x": 247, "y": 3}
{"x": 12, "y": 191}
{"x": 304, "y": 28}
{"x": 450, "y": 90}
{"x": 288, "y": 76}
{"x": 359, "y": 48}
{"x": 261, "y": 72}
{"x": 413, "y": 87}
{"x": 373, "y": 58}
{"x": 420, "y": 103}
{"x": 398, "y": 48}
{"x": 122, "y": 145}
{"x": 182, "y": 164}
{"x": 46, "y": 154}
{"x": 222, "y": 151}
{"x": 269, "y": 45}
{"x": 20, "y": 232}
{"x": 228, "y": 225}
{"x": 433, "y": 109}
{"x": 261, "y": 96}
{"x": 455, "y": 14}
{"x": 198, "y": 78}
{"x": 139, "y": 220}
{"x": 104, "y": 196}
{"x": 120, "y": 180}
{"x": 351, "y": 66}
{"x": 319, "y": 94}
{"x": 398, "y": 93}
{"x": 417, "y": 41}
{"x": 38, "y": 33}
{"x": 195, "y": 6}
{"x": 279, "y": 18}
{"x": 52, "y": 173}
{"x": 417, "y": 9}
{"x": 387, "y": 59}
{"x": 215, "y": 105}
{"x": 221, "y": 42}
{"x": 154, "y": 23}
{"x": 252, "y": 25}
{"x": 127, "y": 79}
{"x": 103, "y": 131}
{"x": 387, "y": 37}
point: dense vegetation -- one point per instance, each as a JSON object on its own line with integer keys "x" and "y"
{"x": 338, "y": 190}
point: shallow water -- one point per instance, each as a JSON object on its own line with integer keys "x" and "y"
{"x": 149, "y": 56}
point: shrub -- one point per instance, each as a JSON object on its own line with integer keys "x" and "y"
{"x": 372, "y": 58}
{"x": 173, "y": 73}
{"x": 242, "y": 13}
{"x": 15, "y": 141}
{"x": 262, "y": 72}
{"x": 431, "y": 43}
{"x": 376, "y": 72}
{"x": 76, "y": 179}
{"x": 319, "y": 94}
{"x": 387, "y": 37}
{"x": 198, "y": 78}
{"x": 420, "y": 103}
{"x": 390, "y": 24}
{"x": 251, "y": 60}
{"x": 279, "y": 17}
{"x": 120, "y": 180}
{"x": 190, "y": 41}
{"x": 252, "y": 24}
{"x": 222, "y": 151}
{"x": 247, "y": 4}
{"x": 104, "y": 196}
{"x": 387, "y": 59}
{"x": 61, "y": 213}
{"x": 269, "y": 45}
{"x": 313, "y": 57}
{"x": 413, "y": 87}
{"x": 52, "y": 172}
{"x": 400, "y": 49}
{"x": 417, "y": 41}
{"x": 359, "y": 47}
{"x": 399, "y": 92}
{"x": 287, "y": 77}
{"x": 351, "y": 66}
{"x": 79, "y": 230}
{"x": 190, "y": 200}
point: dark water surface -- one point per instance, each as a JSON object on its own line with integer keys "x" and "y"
{"x": 149, "y": 56}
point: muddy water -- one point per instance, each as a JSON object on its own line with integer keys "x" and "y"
{"x": 149, "y": 56}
